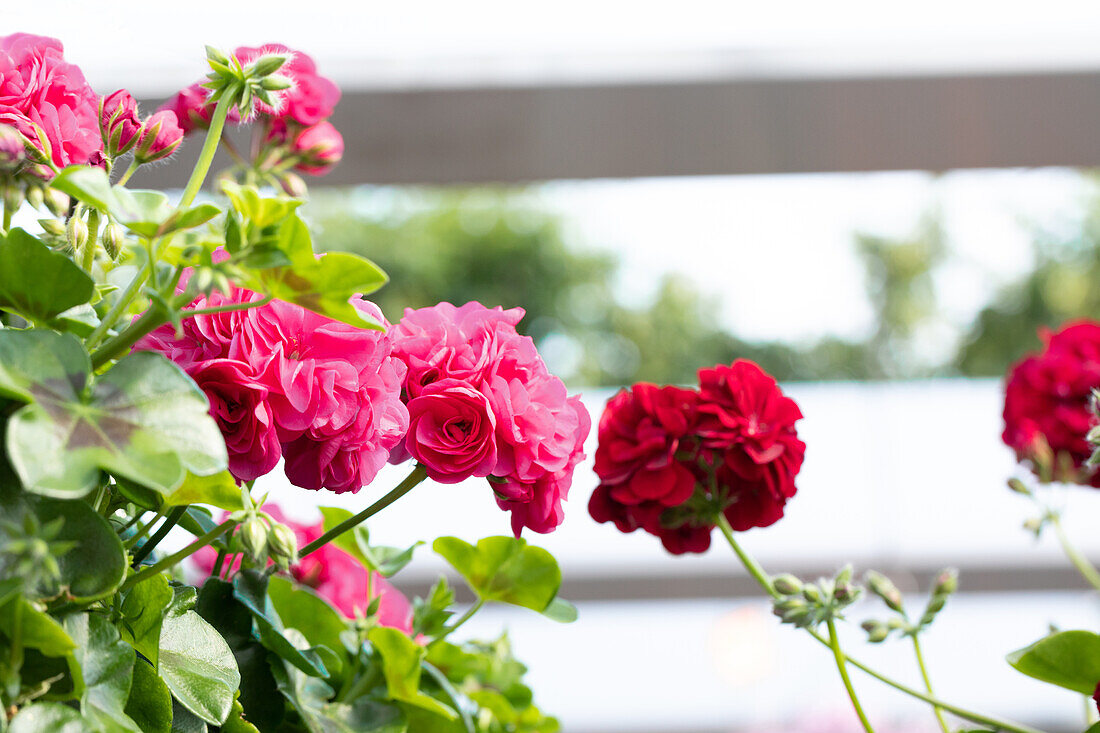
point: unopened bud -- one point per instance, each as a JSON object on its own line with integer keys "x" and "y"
{"x": 1093, "y": 435}
{"x": 160, "y": 136}
{"x": 1019, "y": 486}
{"x": 811, "y": 593}
{"x": 34, "y": 196}
{"x": 845, "y": 575}
{"x": 876, "y": 631}
{"x": 787, "y": 584}
{"x": 1035, "y": 525}
{"x": 946, "y": 582}
{"x": 885, "y": 589}
{"x": 77, "y": 231}
{"x": 56, "y": 202}
{"x": 52, "y": 227}
{"x": 935, "y": 605}
{"x": 283, "y": 544}
{"x": 253, "y": 535}
{"x": 792, "y": 611}
{"x": 12, "y": 150}
{"x": 846, "y": 592}
{"x": 293, "y": 185}
{"x": 13, "y": 197}
{"x": 112, "y": 239}
{"x": 276, "y": 83}
{"x": 266, "y": 64}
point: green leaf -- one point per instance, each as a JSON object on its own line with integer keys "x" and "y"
{"x": 142, "y": 614}
{"x": 146, "y": 213}
{"x": 219, "y": 489}
{"x": 39, "y": 630}
{"x": 250, "y": 588}
{"x": 37, "y": 283}
{"x": 106, "y": 665}
{"x": 261, "y": 211}
{"x": 48, "y": 717}
{"x": 236, "y": 722}
{"x": 150, "y": 702}
{"x": 561, "y": 610}
{"x": 185, "y": 721}
{"x": 430, "y": 615}
{"x": 144, "y": 419}
{"x": 326, "y": 285}
{"x": 384, "y": 560}
{"x": 196, "y": 662}
{"x": 1069, "y": 659}
{"x": 96, "y": 565}
{"x": 302, "y": 609}
{"x": 401, "y": 658}
{"x": 504, "y": 569}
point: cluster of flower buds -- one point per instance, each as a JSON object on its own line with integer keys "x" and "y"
{"x": 154, "y": 138}
{"x": 806, "y": 605}
{"x": 262, "y": 538}
{"x": 944, "y": 584}
{"x": 29, "y": 551}
{"x": 247, "y": 85}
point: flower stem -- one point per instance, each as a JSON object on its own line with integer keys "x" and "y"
{"x": 1087, "y": 569}
{"x": 121, "y": 304}
{"x": 7, "y": 216}
{"x": 842, "y": 667}
{"x": 144, "y": 529}
{"x": 928, "y": 683}
{"x": 177, "y": 557}
{"x": 461, "y": 620}
{"x": 174, "y": 516}
{"x": 128, "y": 173}
{"x": 762, "y": 578}
{"x": 93, "y": 237}
{"x": 209, "y": 148}
{"x": 418, "y": 474}
{"x": 227, "y": 308}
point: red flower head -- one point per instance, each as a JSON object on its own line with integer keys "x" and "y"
{"x": 47, "y": 99}
{"x": 671, "y": 459}
{"x": 1047, "y": 399}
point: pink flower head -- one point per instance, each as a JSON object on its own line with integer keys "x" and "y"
{"x": 452, "y": 431}
{"x": 336, "y": 576}
{"x": 160, "y": 137}
{"x": 119, "y": 123}
{"x": 47, "y": 100}
{"x": 191, "y": 107}
{"x": 312, "y": 96}
{"x": 320, "y": 148}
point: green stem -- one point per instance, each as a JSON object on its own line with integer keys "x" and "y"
{"x": 144, "y": 529}
{"x": 133, "y": 288}
{"x": 151, "y": 319}
{"x": 842, "y": 667}
{"x": 216, "y": 571}
{"x": 1086, "y": 568}
{"x": 765, "y": 582}
{"x": 226, "y": 308}
{"x": 7, "y": 216}
{"x": 418, "y": 474}
{"x": 209, "y": 148}
{"x": 928, "y": 683}
{"x": 16, "y": 658}
{"x": 129, "y": 172}
{"x": 93, "y": 237}
{"x": 179, "y": 556}
{"x": 461, "y": 620}
{"x": 174, "y": 517}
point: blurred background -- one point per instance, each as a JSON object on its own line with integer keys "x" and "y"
{"x": 880, "y": 205}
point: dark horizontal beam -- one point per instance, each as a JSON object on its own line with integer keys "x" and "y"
{"x": 701, "y": 128}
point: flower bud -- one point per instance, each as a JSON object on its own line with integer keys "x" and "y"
{"x": 52, "y": 227}
{"x": 846, "y": 592}
{"x": 77, "y": 232}
{"x": 253, "y": 535}
{"x": 160, "y": 137}
{"x": 811, "y": 593}
{"x": 792, "y": 611}
{"x": 12, "y": 151}
{"x": 119, "y": 122}
{"x": 946, "y": 582}
{"x": 266, "y": 64}
{"x": 935, "y": 605}
{"x": 293, "y": 185}
{"x": 885, "y": 589}
{"x": 56, "y": 202}
{"x": 283, "y": 544}
{"x": 1034, "y": 525}
{"x": 12, "y": 196}
{"x": 876, "y": 631}
{"x": 1019, "y": 486}
{"x": 112, "y": 239}
{"x": 34, "y": 196}
{"x": 787, "y": 584}
{"x": 319, "y": 148}
{"x": 276, "y": 83}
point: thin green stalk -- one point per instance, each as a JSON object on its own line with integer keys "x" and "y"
{"x": 928, "y": 682}
{"x": 1086, "y": 568}
{"x": 418, "y": 474}
{"x": 209, "y": 148}
{"x": 151, "y": 319}
{"x": 131, "y": 291}
{"x": 765, "y": 582}
{"x": 133, "y": 520}
{"x": 144, "y": 529}
{"x": 226, "y": 308}
{"x": 93, "y": 238}
{"x": 173, "y": 518}
{"x": 179, "y": 556}
{"x": 129, "y": 172}
{"x": 842, "y": 667}
{"x": 216, "y": 571}
{"x": 461, "y": 620}
{"x": 15, "y": 661}
{"x": 7, "y": 216}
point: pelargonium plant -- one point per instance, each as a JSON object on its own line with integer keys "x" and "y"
{"x": 159, "y": 355}
{"x": 678, "y": 463}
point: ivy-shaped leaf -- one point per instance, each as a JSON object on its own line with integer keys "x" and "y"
{"x": 106, "y": 665}
{"x": 37, "y": 283}
{"x": 219, "y": 489}
{"x": 196, "y": 662}
{"x": 150, "y": 701}
{"x": 384, "y": 560}
{"x": 39, "y": 630}
{"x": 1069, "y": 659}
{"x": 401, "y": 658}
{"x": 48, "y": 716}
{"x": 505, "y": 569}
{"x": 144, "y": 419}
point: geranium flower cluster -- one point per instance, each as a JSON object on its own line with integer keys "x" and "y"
{"x": 1047, "y": 404}
{"x": 336, "y": 576}
{"x": 296, "y": 133}
{"x": 285, "y": 382}
{"x": 671, "y": 459}
{"x": 482, "y": 403}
